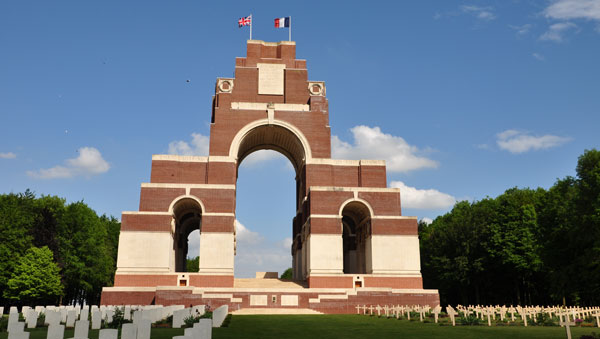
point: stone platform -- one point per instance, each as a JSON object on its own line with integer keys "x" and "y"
{"x": 269, "y": 296}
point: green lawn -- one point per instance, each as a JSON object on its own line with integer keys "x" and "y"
{"x": 349, "y": 327}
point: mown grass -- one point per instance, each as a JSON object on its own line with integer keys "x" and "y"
{"x": 350, "y": 327}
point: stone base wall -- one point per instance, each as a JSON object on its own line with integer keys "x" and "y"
{"x": 334, "y": 301}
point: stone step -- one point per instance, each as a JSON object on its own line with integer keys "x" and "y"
{"x": 250, "y": 311}
{"x": 268, "y": 283}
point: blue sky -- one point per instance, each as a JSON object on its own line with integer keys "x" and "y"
{"x": 463, "y": 99}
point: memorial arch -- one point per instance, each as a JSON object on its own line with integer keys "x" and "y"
{"x": 350, "y": 238}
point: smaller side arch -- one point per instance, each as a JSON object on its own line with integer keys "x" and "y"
{"x": 186, "y": 212}
{"x": 355, "y": 221}
{"x": 364, "y": 202}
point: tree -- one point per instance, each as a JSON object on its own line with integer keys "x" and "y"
{"x": 192, "y": 265}
{"x": 287, "y": 274}
{"x": 35, "y": 280}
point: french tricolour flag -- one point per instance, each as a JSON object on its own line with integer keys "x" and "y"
{"x": 282, "y": 22}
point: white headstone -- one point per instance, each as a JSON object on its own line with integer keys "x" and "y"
{"x": 25, "y": 311}
{"x": 137, "y": 316}
{"x": 143, "y": 329}
{"x": 63, "y": 314}
{"x": 84, "y": 314}
{"x": 108, "y": 333}
{"x": 82, "y": 328}
{"x": 16, "y": 327}
{"x": 1, "y": 310}
{"x": 109, "y": 316}
{"x": 96, "y": 319}
{"x": 129, "y": 331}
{"x": 198, "y": 309}
{"x": 13, "y": 309}
{"x": 56, "y": 331}
{"x": 179, "y": 317}
{"x": 219, "y": 315}
{"x": 127, "y": 313}
{"x": 191, "y": 332}
{"x": 32, "y": 317}
{"x": 13, "y": 317}
{"x": 205, "y": 327}
{"x": 71, "y": 317}
{"x": 18, "y": 335}
{"x": 52, "y": 317}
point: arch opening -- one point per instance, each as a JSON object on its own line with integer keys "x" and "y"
{"x": 356, "y": 231}
{"x": 288, "y": 141}
{"x": 276, "y": 138}
{"x": 187, "y": 216}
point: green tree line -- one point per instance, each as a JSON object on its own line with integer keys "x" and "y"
{"x": 526, "y": 246}
{"x": 52, "y": 252}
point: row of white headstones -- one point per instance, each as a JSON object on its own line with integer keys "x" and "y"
{"x": 566, "y": 315}
{"x": 142, "y": 317}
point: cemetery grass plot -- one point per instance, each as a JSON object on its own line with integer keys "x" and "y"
{"x": 347, "y": 326}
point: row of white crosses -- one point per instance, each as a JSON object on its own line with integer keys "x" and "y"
{"x": 397, "y": 311}
{"x": 489, "y": 313}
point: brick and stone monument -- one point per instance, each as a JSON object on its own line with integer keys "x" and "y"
{"x": 351, "y": 243}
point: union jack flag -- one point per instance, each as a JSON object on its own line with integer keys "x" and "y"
{"x": 246, "y": 21}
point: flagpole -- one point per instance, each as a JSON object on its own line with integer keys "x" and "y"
{"x": 290, "y": 29}
{"x": 251, "y": 19}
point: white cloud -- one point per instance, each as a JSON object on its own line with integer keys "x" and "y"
{"x": 522, "y": 29}
{"x": 519, "y": 142}
{"x": 538, "y": 56}
{"x": 88, "y": 163}
{"x": 244, "y": 235}
{"x": 574, "y": 9}
{"x": 411, "y": 197}
{"x": 198, "y": 146}
{"x": 7, "y": 155}
{"x": 262, "y": 156}
{"x": 483, "y": 13}
{"x": 426, "y": 220}
{"x": 372, "y": 143}
{"x": 557, "y": 31}
{"x": 256, "y": 254}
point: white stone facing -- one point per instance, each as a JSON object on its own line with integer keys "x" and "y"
{"x": 143, "y": 329}
{"x": 56, "y": 331}
{"x": 135, "y": 254}
{"x": 326, "y": 255}
{"x": 289, "y": 300}
{"x": 258, "y": 300}
{"x": 108, "y": 333}
{"x": 404, "y": 249}
{"x": 32, "y": 317}
{"x": 270, "y": 78}
{"x": 216, "y": 252}
{"x": 219, "y": 315}
{"x": 82, "y": 328}
{"x": 129, "y": 331}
